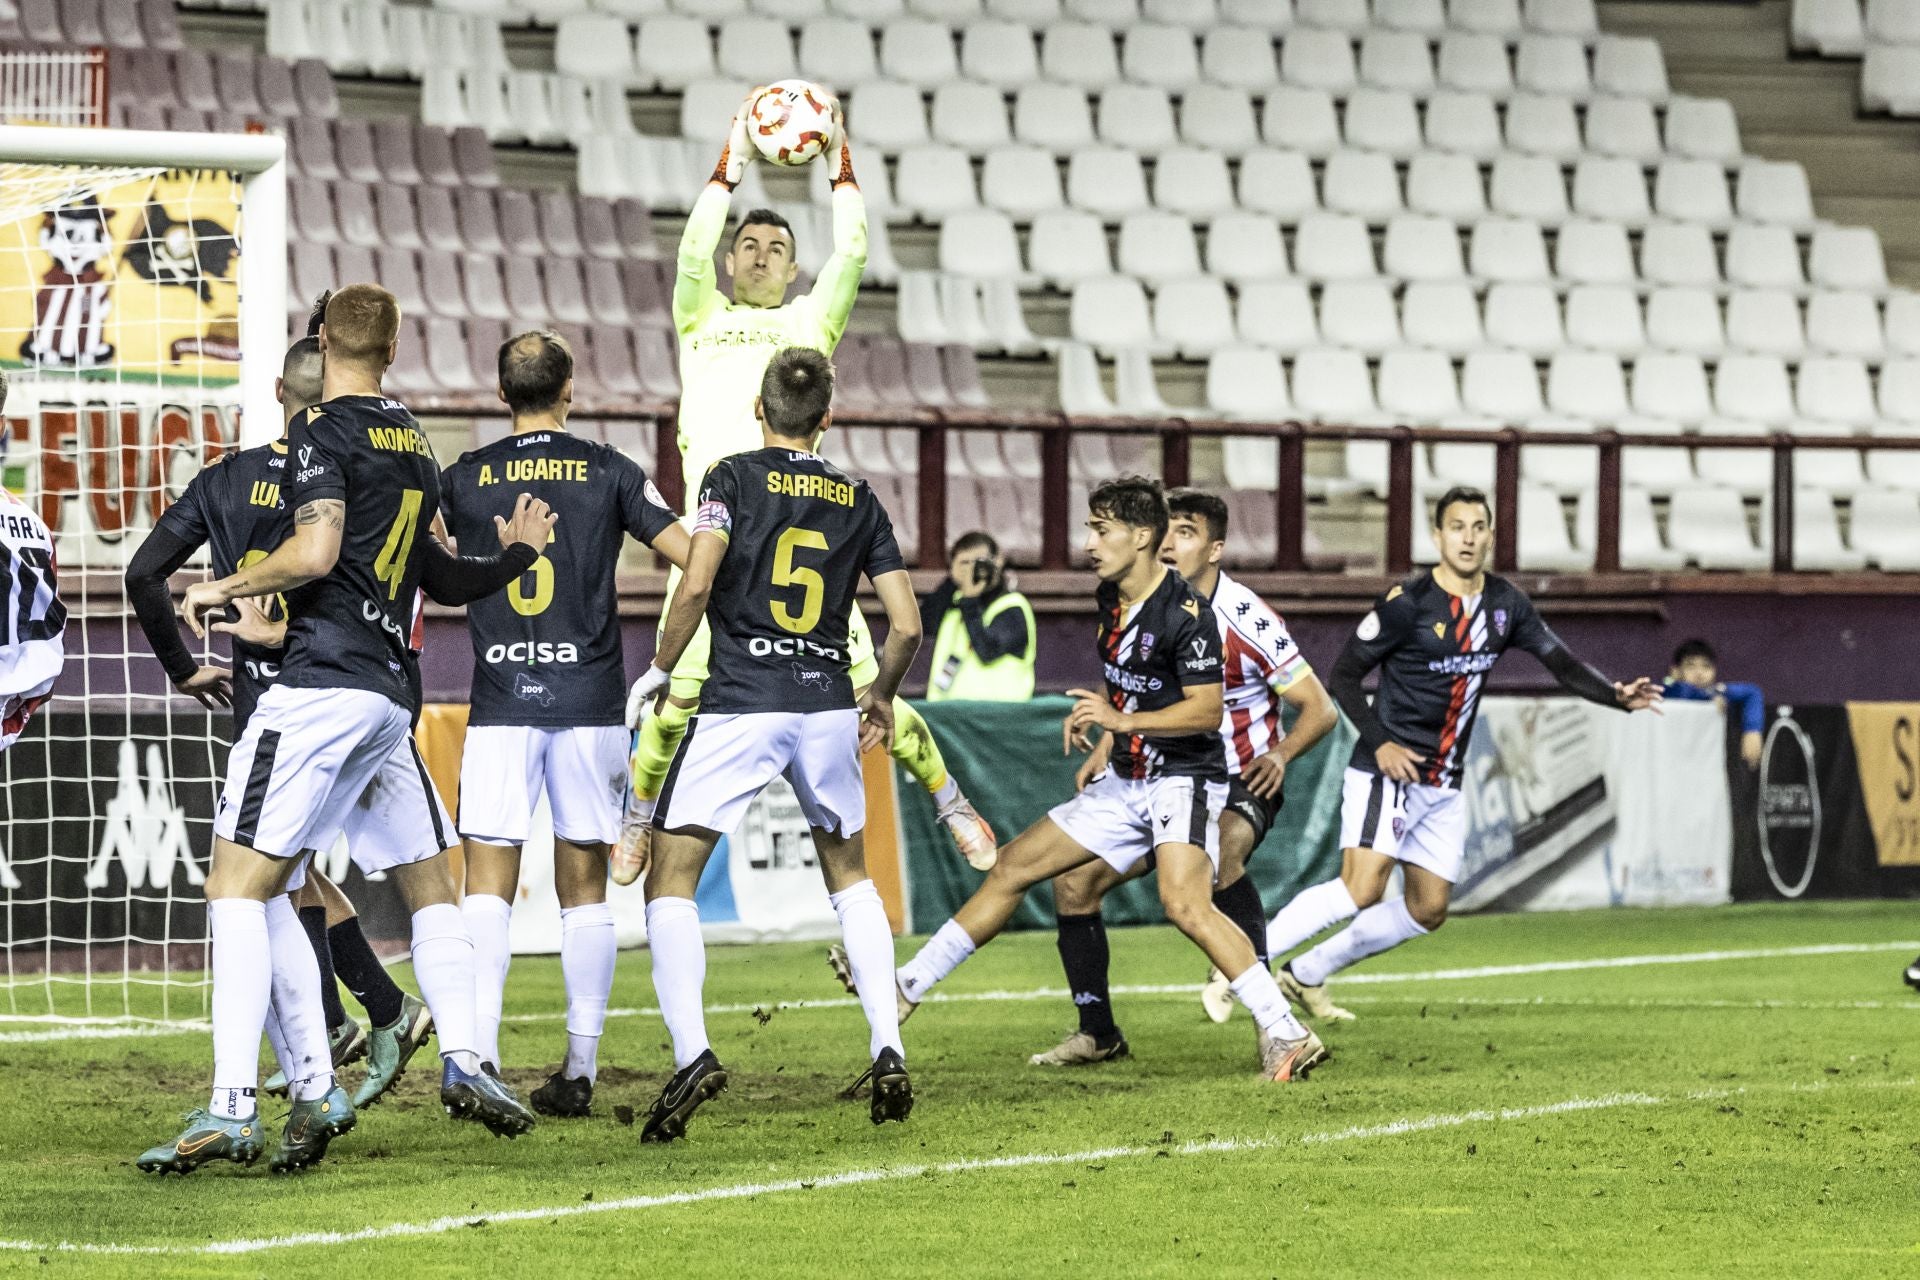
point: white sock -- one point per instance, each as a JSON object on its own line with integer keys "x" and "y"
{"x": 242, "y": 992}
{"x": 1319, "y": 907}
{"x": 679, "y": 973}
{"x": 278, "y": 1040}
{"x": 941, "y": 956}
{"x": 487, "y": 920}
{"x": 640, "y": 810}
{"x": 1261, "y": 994}
{"x": 296, "y": 1003}
{"x": 869, "y": 942}
{"x": 949, "y": 792}
{"x": 586, "y": 961}
{"x": 1378, "y": 928}
{"x": 443, "y": 966}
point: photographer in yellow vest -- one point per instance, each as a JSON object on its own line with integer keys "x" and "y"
{"x": 983, "y": 648}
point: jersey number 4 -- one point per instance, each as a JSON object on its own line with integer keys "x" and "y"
{"x": 22, "y": 570}
{"x": 390, "y": 566}
{"x": 786, "y": 573}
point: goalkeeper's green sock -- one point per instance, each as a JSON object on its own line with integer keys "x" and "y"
{"x": 659, "y": 739}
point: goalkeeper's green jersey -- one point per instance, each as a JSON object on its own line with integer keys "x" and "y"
{"x": 724, "y": 348}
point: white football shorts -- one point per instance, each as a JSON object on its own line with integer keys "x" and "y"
{"x": 1122, "y": 820}
{"x": 727, "y": 760}
{"x": 1414, "y": 823}
{"x": 504, "y": 768}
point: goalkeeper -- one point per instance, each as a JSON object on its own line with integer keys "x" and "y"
{"x": 724, "y": 349}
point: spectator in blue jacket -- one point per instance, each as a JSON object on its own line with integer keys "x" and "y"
{"x": 1695, "y": 677}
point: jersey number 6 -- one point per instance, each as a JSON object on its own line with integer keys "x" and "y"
{"x": 787, "y": 574}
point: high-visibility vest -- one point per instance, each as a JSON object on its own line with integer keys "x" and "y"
{"x": 959, "y": 675}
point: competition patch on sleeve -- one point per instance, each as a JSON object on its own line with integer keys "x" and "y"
{"x": 713, "y": 517}
{"x": 1369, "y": 626}
{"x": 653, "y": 494}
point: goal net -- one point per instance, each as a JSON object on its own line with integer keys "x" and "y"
{"x": 142, "y": 318}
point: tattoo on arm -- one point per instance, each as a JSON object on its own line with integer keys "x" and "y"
{"x": 328, "y": 511}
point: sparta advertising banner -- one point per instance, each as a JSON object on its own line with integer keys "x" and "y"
{"x": 119, "y": 312}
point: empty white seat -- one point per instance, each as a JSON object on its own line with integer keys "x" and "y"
{"x": 1218, "y": 116}
{"x": 1446, "y": 186}
{"x": 1886, "y": 528}
{"x": 1671, "y": 387}
{"x": 1347, "y": 16}
{"x": 1890, "y": 80}
{"x": 1830, "y": 28}
{"x": 1543, "y": 125}
{"x": 916, "y": 51}
{"x": 1316, "y": 59}
{"x": 1362, "y": 183}
{"x": 1630, "y": 66}
{"x": 1678, "y": 253}
{"x": 1623, "y": 127}
{"x": 921, "y": 316}
{"x": 1110, "y": 314}
{"x": 1239, "y": 58}
{"x": 1509, "y": 249}
{"x": 1493, "y": 17}
{"x": 1193, "y": 182}
{"x": 1022, "y": 181}
{"x": 1082, "y": 393}
{"x": 1612, "y": 188}
{"x": 1605, "y": 317}
{"x": 1277, "y": 314}
{"x": 1587, "y": 385}
{"x": 1383, "y": 120}
{"x": 1752, "y": 391}
{"x": 1835, "y": 389}
{"x": 1422, "y": 248}
{"x": 980, "y": 242}
{"x": 1193, "y": 315}
{"x": 1066, "y": 246}
{"x": 1766, "y": 322}
{"x": 1899, "y": 403}
{"x": 757, "y": 50}
{"x": 1164, "y": 56}
{"x": 1418, "y": 388}
{"x": 1847, "y": 258}
{"x": 1136, "y": 116}
{"x": 1503, "y": 386}
{"x": 1544, "y": 541}
{"x": 837, "y": 51}
{"x": 875, "y": 13}
{"x": 1685, "y": 319}
{"x": 1196, "y": 14}
{"x": 1158, "y": 247}
{"x": 1271, "y": 15}
{"x": 1640, "y": 545}
{"x": 1774, "y": 191}
{"x": 1529, "y": 187}
{"x": 1054, "y": 116}
{"x": 1359, "y": 314}
{"x": 933, "y": 181}
{"x": 1816, "y": 535}
{"x": 1244, "y": 247}
{"x": 1708, "y": 524}
{"x": 953, "y": 12}
{"x": 672, "y": 51}
{"x": 1763, "y": 257}
{"x": 1464, "y": 123}
{"x": 1247, "y": 382}
{"x": 1903, "y": 322}
{"x": 1552, "y": 64}
{"x": 1278, "y": 184}
{"x": 1079, "y": 53}
{"x": 1333, "y": 246}
{"x": 1331, "y": 385}
{"x": 592, "y": 45}
{"x": 1562, "y": 17}
{"x": 1396, "y": 60}
{"x": 1105, "y": 13}
{"x": 888, "y": 115}
{"x": 1474, "y": 63}
{"x": 1107, "y": 181}
{"x": 1703, "y": 129}
{"x": 1590, "y": 252}
{"x": 1524, "y": 317}
{"x": 1441, "y": 315}
{"x": 1844, "y": 323}
{"x": 1692, "y": 191}
{"x": 1300, "y": 120}
{"x": 1428, "y": 17}
{"x": 1892, "y": 22}
{"x": 999, "y": 53}
{"x": 973, "y": 116}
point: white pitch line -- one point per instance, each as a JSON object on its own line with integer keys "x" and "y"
{"x": 102, "y": 1033}
{"x": 442, "y": 1226}
{"x": 1550, "y": 1002}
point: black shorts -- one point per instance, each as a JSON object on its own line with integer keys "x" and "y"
{"x": 1257, "y": 810}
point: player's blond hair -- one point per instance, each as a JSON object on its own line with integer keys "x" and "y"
{"x": 362, "y": 322}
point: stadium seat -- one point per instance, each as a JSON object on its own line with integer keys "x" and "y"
{"x": 1463, "y": 123}
{"x": 1844, "y": 324}
{"x": 1611, "y": 189}
{"x": 1331, "y": 385}
{"x": 395, "y": 215}
{"x": 1193, "y": 315}
{"x": 1362, "y": 183}
{"x": 919, "y": 52}
{"x": 1418, "y": 388}
{"x": 1055, "y": 116}
{"x": 1830, "y": 28}
{"x": 1903, "y": 322}
{"x": 1396, "y": 60}
{"x": 1489, "y": 17}
{"x": 1423, "y": 249}
{"x": 1591, "y": 252}
{"x": 1111, "y": 314}
{"x": 1528, "y": 187}
{"x": 1442, "y": 316}
{"x": 757, "y": 50}
{"x": 1248, "y": 383}
{"x": 1194, "y": 14}
{"x": 1475, "y": 63}
{"x": 1280, "y": 185}
{"x": 592, "y": 45}
{"x": 1081, "y": 391}
{"x": 1163, "y": 56}
{"x": 1507, "y": 250}
{"x": 1703, "y": 129}
{"x": 973, "y": 116}
{"x": 1678, "y": 253}
{"x": 1300, "y": 119}
{"x": 962, "y": 317}
{"x": 1278, "y": 314}
{"x": 998, "y": 53}
{"x": 1588, "y": 386}
{"x": 1640, "y": 545}
{"x": 1774, "y": 191}
{"x": 1685, "y": 320}
{"x": 1673, "y": 388}
{"x": 1606, "y": 318}
{"x": 1631, "y": 67}
{"x": 1022, "y": 181}
{"x": 1890, "y": 80}
{"x": 1543, "y": 125}
{"x": 1245, "y": 247}
{"x": 1241, "y": 58}
{"x": 1105, "y": 13}
{"x": 1066, "y": 246}
{"x": 934, "y": 181}
{"x": 1218, "y": 116}
{"x": 1502, "y": 386}
{"x": 1107, "y": 181}
{"x": 1079, "y": 54}
{"x": 673, "y": 50}
{"x": 1836, "y": 390}
{"x": 1708, "y": 525}
{"x": 1544, "y": 540}
{"x": 920, "y": 316}
{"x": 1428, "y": 17}
{"x": 1763, "y": 257}
{"x": 1349, "y": 17}
{"x": 1753, "y": 389}
{"x": 1526, "y": 317}
{"x": 1158, "y": 247}
{"x": 1136, "y": 117}
{"x": 1562, "y": 18}
{"x": 1332, "y": 246}
{"x": 1360, "y": 315}
{"x": 1623, "y": 128}
{"x": 1006, "y": 319}
{"x": 1766, "y": 322}
{"x": 890, "y": 117}
{"x": 1692, "y": 191}
{"x": 1445, "y": 186}
{"x": 1193, "y": 182}
{"x": 1316, "y": 59}
{"x": 979, "y": 243}
{"x": 1847, "y": 258}
{"x": 1886, "y": 528}
{"x": 1892, "y": 22}
{"x": 1552, "y": 65}
{"x": 1136, "y": 391}
{"x": 1383, "y": 120}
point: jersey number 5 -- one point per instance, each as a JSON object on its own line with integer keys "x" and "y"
{"x": 390, "y": 566}
{"x": 788, "y": 574}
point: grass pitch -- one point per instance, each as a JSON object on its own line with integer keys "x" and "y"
{"x": 1747, "y": 1113}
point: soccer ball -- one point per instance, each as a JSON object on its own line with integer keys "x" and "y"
{"x": 794, "y": 121}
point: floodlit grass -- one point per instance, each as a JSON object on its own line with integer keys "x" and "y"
{"x": 1734, "y": 1116}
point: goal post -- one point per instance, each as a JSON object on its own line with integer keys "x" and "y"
{"x": 143, "y": 317}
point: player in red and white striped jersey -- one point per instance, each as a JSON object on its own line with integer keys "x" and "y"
{"x": 1262, "y": 668}
{"x": 33, "y": 622}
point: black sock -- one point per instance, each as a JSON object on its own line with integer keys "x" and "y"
{"x": 363, "y": 973}
{"x": 1240, "y": 903}
{"x": 1083, "y": 951}
{"x": 314, "y": 921}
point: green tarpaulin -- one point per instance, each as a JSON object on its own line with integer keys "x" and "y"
{"x": 1007, "y": 758}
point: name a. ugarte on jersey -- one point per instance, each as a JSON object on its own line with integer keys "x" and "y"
{"x": 826, "y": 488}
{"x": 524, "y": 470}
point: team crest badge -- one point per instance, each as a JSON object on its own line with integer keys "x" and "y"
{"x": 1399, "y": 828}
{"x": 1146, "y": 644}
{"x": 1500, "y": 621}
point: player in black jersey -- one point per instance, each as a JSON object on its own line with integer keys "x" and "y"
{"x": 333, "y": 736}
{"x": 549, "y": 692}
{"x": 1434, "y": 638}
{"x": 1166, "y": 780}
{"x": 235, "y": 505}
{"x": 780, "y": 540}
